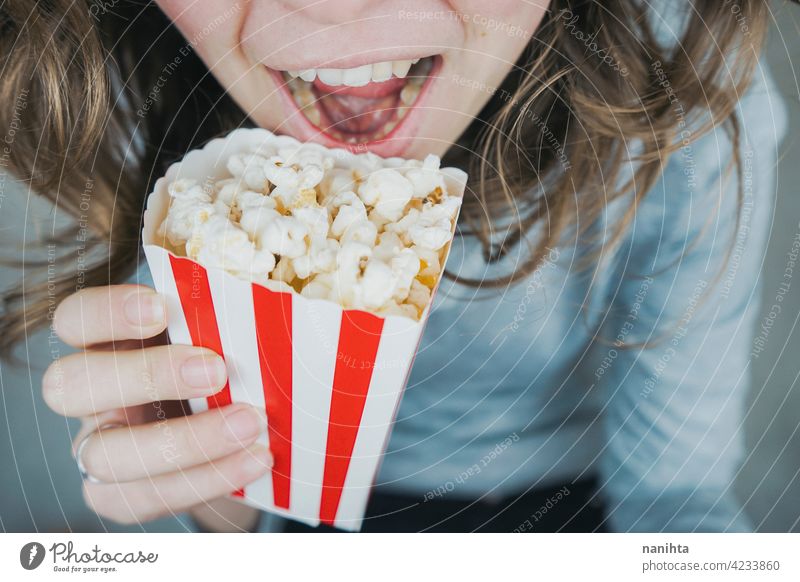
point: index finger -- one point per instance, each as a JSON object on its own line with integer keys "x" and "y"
{"x": 105, "y": 314}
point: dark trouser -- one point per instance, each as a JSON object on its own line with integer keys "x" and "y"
{"x": 566, "y": 508}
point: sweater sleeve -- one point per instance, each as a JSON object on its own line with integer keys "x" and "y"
{"x": 688, "y": 283}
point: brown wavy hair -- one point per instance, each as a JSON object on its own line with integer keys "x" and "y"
{"x": 76, "y": 73}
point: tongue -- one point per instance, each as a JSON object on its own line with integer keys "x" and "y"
{"x": 350, "y": 113}
{"x": 370, "y": 90}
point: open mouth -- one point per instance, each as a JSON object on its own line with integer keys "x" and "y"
{"x": 364, "y": 106}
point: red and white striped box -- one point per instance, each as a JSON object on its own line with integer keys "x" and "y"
{"x": 329, "y": 378}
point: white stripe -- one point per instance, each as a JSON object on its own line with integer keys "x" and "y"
{"x": 315, "y": 337}
{"x": 233, "y": 305}
{"x": 164, "y": 282}
{"x": 399, "y": 340}
{"x": 235, "y": 321}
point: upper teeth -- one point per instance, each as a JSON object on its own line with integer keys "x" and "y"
{"x": 357, "y": 76}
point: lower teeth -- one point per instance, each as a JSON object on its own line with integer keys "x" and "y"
{"x": 303, "y": 97}
{"x": 410, "y": 93}
{"x": 312, "y": 114}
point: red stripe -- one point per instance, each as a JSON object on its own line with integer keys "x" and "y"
{"x": 273, "y": 315}
{"x": 198, "y": 308}
{"x": 359, "y": 336}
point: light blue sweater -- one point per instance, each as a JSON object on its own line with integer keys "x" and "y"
{"x": 512, "y": 390}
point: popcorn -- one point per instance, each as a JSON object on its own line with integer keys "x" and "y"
{"x": 305, "y": 197}
{"x": 419, "y": 295}
{"x": 350, "y": 261}
{"x": 361, "y": 231}
{"x": 284, "y": 271}
{"x": 350, "y": 210}
{"x": 251, "y": 169}
{"x": 370, "y": 235}
{"x": 403, "y": 310}
{"x": 405, "y": 267}
{"x": 247, "y": 199}
{"x": 281, "y": 174}
{"x": 220, "y": 243}
{"x": 254, "y": 221}
{"x": 389, "y": 245}
{"x": 294, "y": 170}
{"x": 345, "y": 197}
{"x": 318, "y": 288}
{"x": 255, "y": 211}
{"x": 427, "y": 179}
{"x": 227, "y": 190}
{"x": 429, "y": 266}
{"x": 336, "y": 182}
{"x": 187, "y": 190}
{"x": 373, "y": 289}
{"x": 450, "y": 205}
{"x": 191, "y": 206}
{"x": 388, "y": 191}
{"x": 213, "y": 237}
{"x": 221, "y": 209}
{"x": 402, "y": 226}
{"x": 315, "y": 219}
{"x": 378, "y": 220}
{"x": 321, "y": 258}
{"x": 307, "y": 155}
{"x": 432, "y": 228}
{"x": 184, "y": 219}
{"x": 285, "y": 236}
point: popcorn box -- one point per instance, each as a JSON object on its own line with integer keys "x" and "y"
{"x": 329, "y": 378}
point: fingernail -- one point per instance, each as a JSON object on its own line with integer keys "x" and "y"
{"x": 144, "y": 309}
{"x": 257, "y": 460}
{"x": 244, "y": 424}
{"x": 204, "y": 372}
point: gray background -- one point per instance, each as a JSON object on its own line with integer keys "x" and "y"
{"x": 40, "y": 487}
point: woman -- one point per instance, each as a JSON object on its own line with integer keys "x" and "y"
{"x": 585, "y": 364}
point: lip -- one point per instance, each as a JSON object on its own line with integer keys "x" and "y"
{"x": 393, "y": 144}
{"x": 352, "y": 61}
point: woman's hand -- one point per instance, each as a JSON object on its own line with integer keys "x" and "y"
{"x": 162, "y": 461}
